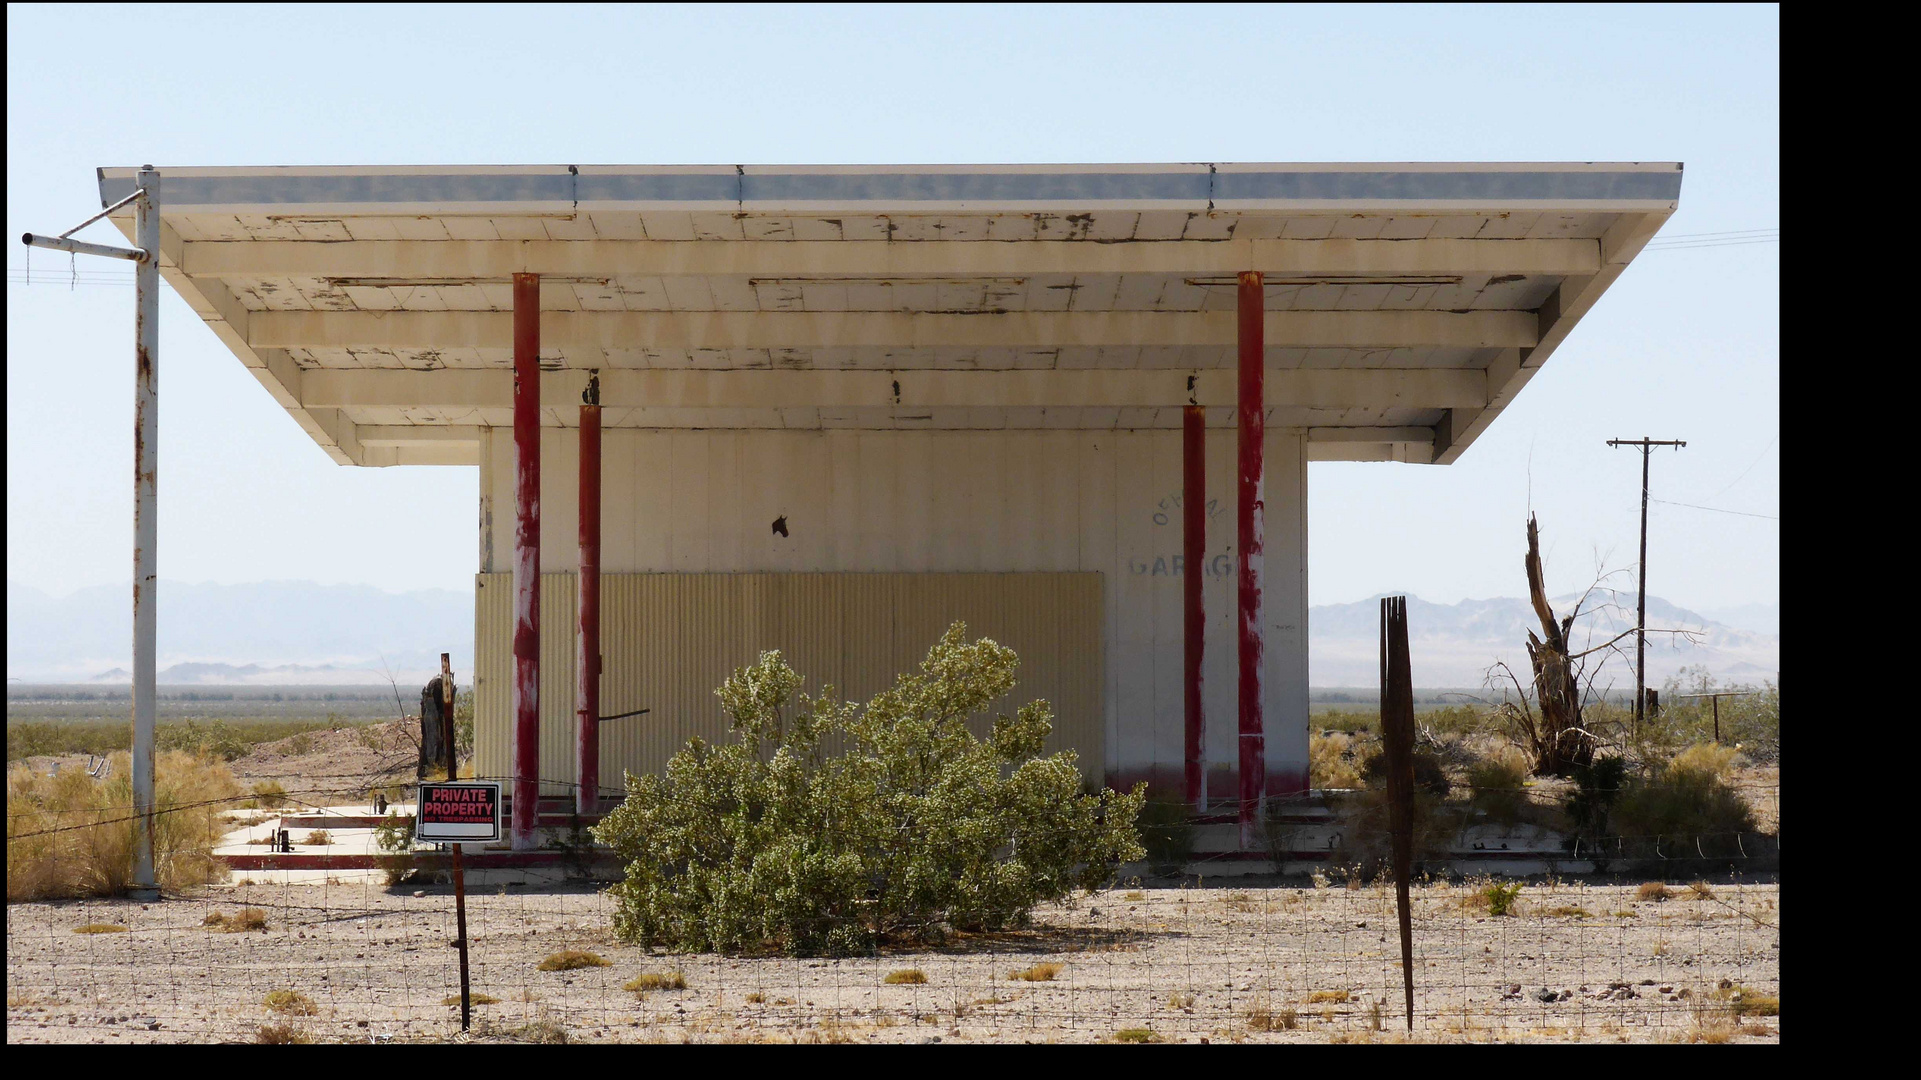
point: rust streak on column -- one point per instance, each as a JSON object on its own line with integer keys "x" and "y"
{"x": 526, "y": 559}
{"x": 587, "y": 661}
{"x": 1193, "y": 567}
{"x": 1249, "y": 512}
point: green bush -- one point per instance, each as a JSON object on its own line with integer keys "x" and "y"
{"x": 394, "y": 836}
{"x": 1500, "y": 897}
{"x": 768, "y": 843}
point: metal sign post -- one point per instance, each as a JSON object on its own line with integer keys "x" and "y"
{"x": 146, "y": 454}
{"x": 454, "y": 813}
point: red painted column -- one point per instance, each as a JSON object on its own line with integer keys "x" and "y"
{"x": 1249, "y": 513}
{"x": 1193, "y": 575}
{"x": 587, "y": 661}
{"x": 526, "y": 559}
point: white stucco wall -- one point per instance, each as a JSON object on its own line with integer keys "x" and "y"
{"x": 705, "y": 501}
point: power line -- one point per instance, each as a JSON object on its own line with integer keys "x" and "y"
{"x": 1716, "y": 509}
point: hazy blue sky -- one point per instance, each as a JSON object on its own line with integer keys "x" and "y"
{"x": 1685, "y": 345}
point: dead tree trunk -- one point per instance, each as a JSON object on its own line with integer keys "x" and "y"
{"x": 1561, "y": 742}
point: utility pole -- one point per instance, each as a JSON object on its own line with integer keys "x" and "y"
{"x": 1641, "y": 609}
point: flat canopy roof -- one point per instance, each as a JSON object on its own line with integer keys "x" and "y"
{"x": 1407, "y": 303}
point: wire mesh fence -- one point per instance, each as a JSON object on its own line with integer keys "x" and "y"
{"x": 349, "y": 957}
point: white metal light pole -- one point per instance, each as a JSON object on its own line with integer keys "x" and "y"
{"x": 146, "y": 452}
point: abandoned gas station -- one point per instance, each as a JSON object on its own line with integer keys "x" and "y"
{"x": 830, "y": 410}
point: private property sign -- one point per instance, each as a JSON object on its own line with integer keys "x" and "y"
{"x": 464, "y": 813}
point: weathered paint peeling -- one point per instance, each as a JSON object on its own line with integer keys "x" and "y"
{"x": 526, "y": 690}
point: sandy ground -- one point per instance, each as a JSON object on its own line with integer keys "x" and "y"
{"x": 1581, "y": 961}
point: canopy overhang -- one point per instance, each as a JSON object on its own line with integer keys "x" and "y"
{"x": 1407, "y": 304}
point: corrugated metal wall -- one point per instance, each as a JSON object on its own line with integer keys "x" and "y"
{"x": 669, "y": 639}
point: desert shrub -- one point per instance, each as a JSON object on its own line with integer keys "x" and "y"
{"x": 1036, "y": 973}
{"x": 1334, "y": 997}
{"x": 269, "y": 794}
{"x": 472, "y": 999}
{"x": 771, "y": 843}
{"x": 906, "y": 977}
{"x": 70, "y": 835}
{"x": 100, "y": 928}
{"x": 1499, "y": 783}
{"x": 1167, "y": 834}
{"x": 1687, "y": 797}
{"x": 318, "y": 838}
{"x": 281, "y": 1034}
{"x": 1428, "y": 774}
{"x": 1499, "y": 896}
{"x": 655, "y": 980}
{"x": 1365, "y": 842}
{"x": 1136, "y": 1035}
{"x": 1655, "y": 891}
{"x": 1332, "y": 761}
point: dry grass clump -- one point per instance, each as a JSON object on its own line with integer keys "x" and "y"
{"x": 1710, "y": 758}
{"x": 318, "y": 838}
{"x": 1337, "y": 997}
{"x": 473, "y": 999}
{"x": 239, "y": 922}
{"x": 1567, "y": 911}
{"x": 281, "y": 1034}
{"x": 1037, "y": 973}
{"x": 1653, "y": 890}
{"x": 1263, "y": 1018}
{"x": 543, "y": 1031}
{"x": 906, "y": 977}
{"x": 569, "y": 959}
{"x": 1700, "y": 890}
{"x": 291, "y": 1003}
{"x": 1180, "y": 1001}
{"x": 654, "y": 980}
{"x": 100, "y": 928}
{"x": 1136, "y": 1035}
{"x": 69, "y": 835}
{"x": 1741, "y": 1001}
{"x": 1134, "y": 897}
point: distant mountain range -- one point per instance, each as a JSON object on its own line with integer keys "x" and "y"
{"x": 291, "y": 633}
{"x": 1454, "y": 644}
